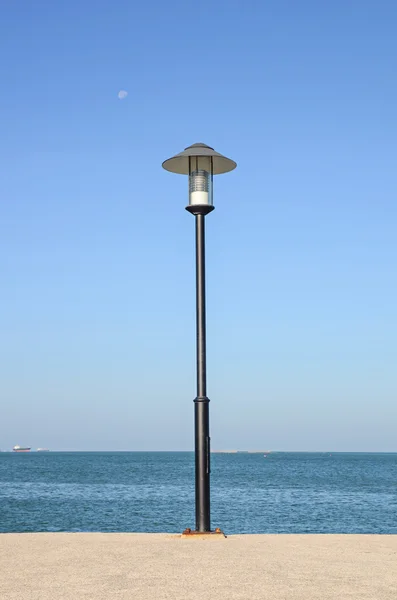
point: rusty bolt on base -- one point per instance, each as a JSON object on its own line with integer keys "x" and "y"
{"x": 205, "y": 534}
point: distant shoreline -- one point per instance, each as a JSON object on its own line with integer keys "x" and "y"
{"x": 212, "y": 451}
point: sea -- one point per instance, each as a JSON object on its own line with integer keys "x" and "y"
{"x": 154, "y": 492}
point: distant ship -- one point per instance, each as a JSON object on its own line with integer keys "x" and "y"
{"x": 21, "y": 449}
{"x": 42, "y": 450}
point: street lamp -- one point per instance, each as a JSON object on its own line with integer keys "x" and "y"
{"x": 200, "y": 162}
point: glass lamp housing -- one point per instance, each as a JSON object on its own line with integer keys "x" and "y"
{"x": 200, "y": 181}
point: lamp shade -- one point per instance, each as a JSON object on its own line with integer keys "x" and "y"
{"x": 180, "y": 163}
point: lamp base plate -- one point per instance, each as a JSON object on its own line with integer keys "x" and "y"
{"x": 217, "y": 534}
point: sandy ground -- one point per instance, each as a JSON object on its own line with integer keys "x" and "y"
{"x": 73, "y": 566}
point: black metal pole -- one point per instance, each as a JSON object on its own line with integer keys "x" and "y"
{"x": 201, "y": 403}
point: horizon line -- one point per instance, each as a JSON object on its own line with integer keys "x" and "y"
{"x": 218, "y": 451}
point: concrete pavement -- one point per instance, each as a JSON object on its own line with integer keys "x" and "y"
{"x": 74, "y": 566}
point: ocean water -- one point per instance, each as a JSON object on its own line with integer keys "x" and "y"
{"x": 154, "y": 492}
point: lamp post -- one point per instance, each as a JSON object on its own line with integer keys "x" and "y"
{"x": 200, "y": 163}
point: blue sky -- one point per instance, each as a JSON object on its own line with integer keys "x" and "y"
{"x": 97, "y": 251}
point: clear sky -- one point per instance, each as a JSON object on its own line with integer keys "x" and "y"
{"x": 97, "y": 252}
